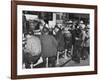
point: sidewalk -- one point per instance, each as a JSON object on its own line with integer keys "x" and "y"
{"x": 82, "y": 63}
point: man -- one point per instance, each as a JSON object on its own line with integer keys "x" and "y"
{"x": 49, "y": 47}
{"x": 60, "y": 38}
{"x": 68, "y": 37}
{"x": 32, "y": 50}
{"x": 76, "y": 41}
{"x": 85, "y": 42}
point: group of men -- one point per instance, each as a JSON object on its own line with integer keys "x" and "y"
{"x": 72, "y": 37}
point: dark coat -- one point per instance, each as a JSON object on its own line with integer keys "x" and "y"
{"x": 76, "y": 33}
{"x": 49, "y": 45}
{"x": 60, "y": 39}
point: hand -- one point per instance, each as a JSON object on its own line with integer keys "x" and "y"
{"x": 76, "y": 38}
{"x": 82, "y": 45}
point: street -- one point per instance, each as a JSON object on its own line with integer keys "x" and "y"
{"x": 82, "y": 63}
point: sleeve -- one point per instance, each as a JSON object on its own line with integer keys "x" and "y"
{"x": 83, "y": 38}
{"x": 83, "y": 35}
{"x": 54, "y": 41}
{"x": 28, "y": 46}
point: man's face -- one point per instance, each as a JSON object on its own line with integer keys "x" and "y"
{"x": 28, "y": 36}
{"x": 81, "y": 26}
{"x": 70, "y": 25}
{"x": 56, "y": 29}
{"x": 41, "y": 27}
{"x": 33, "y": 25}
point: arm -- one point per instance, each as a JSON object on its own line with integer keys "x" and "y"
{"x": 54, "y": 41}
{"x": 83, "y": 38}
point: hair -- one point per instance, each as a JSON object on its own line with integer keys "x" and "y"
{"x": 46, "y": 21}
{"x": 76, "y": 25}
{"x": 37, "y": 26}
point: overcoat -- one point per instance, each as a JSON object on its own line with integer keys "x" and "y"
{"x": 49, "y": 45}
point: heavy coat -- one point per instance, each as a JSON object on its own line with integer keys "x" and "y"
{"x": 49, "y": 46}
{"x": 60, "y": 39}
{"x": 33, "y": 46}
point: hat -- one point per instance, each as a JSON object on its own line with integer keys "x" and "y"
{"x": 70, "y": 22}
{"x": 86, "y": 28}
{"x": 45, "y": 29}
{"x": 56, "y": 26}
{"x": 81, "y": 22}
{"x": 36, "y": 19}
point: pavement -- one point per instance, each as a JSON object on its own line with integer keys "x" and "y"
{"x": 82, "y": 63}
{"x": 66, "y": 62}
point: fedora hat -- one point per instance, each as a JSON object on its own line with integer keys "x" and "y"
{"x": 81, "y": 22}
{"x": 70, "y": 22}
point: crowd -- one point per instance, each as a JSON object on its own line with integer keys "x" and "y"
{"x": 42, "y": 41}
